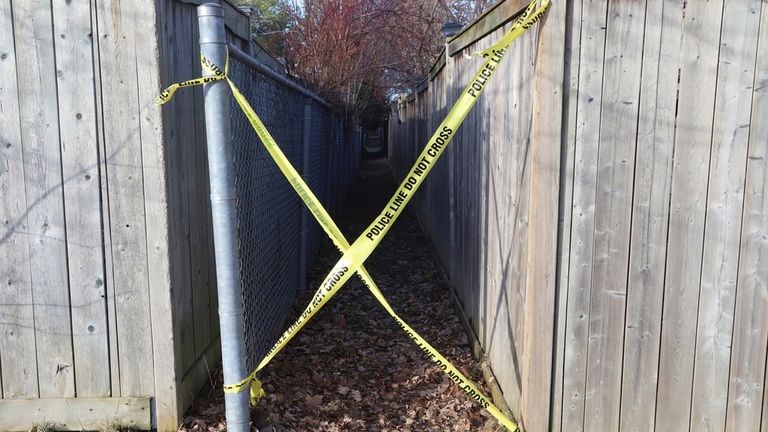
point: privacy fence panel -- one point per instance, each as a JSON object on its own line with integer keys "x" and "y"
{"x": 665, "y": 324}
{"x": 474, "y": 203}
{"x": 108, "y": 311}
{"x": 83, "y": 217}
{"x": 659, "y": 310}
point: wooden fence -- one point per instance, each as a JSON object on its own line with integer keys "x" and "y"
{"x": 108, "y": 309}
{"x": 603, "y": 212}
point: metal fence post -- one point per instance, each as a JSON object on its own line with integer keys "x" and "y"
{"x": 304, "y": 264}
{"x": 220, "y": 165}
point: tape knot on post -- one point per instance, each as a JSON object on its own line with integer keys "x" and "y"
{"x": 256, "y": 388}
{"x": 216, "y": 74}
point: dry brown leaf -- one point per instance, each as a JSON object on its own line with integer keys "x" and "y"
{"x": 356, "y": 395}
{"x": 312, "y": 402}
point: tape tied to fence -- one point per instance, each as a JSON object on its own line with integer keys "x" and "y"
{"x": 333, "y": 283}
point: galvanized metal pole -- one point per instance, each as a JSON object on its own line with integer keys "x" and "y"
{"x": 220, "y": 165}
{"x": 304, "y": 263}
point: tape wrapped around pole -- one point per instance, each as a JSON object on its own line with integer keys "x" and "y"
{"x": 223, "y": 214}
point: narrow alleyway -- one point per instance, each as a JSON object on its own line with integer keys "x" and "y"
{"x": 352, "y": 368}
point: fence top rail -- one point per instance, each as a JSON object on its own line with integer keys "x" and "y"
{"x": 239, "y": 55}
{"x": 501, "y": 13}
{"x": 495, "y": 17}
{"x": 438, "y": 66}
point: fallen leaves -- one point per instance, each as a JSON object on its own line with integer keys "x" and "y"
{"x": 312, "y": 402}
{"x": 355, "y": 394}
{"x": 351, "y": 368}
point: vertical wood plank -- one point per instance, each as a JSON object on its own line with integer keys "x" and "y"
{"x": 157, "y": 130}
{"x": 750, "y": 331}
{"x": 18, "y": 377}
{"x": 114, "y": 365}
{"x": 701, "y": 30}
{"x": 613, "y": 212}
{"x": 722, "y": 231}
{"x": 45, "y": 205}
{"x": 80, "y": 160}
{"x": 650, "y": 213}
{"x": 179, "y": 188}
{"x": 118, "y": 59}
{"x": 570, "y": 101}
{"x": 542, "y": 238}
{"x": 480, "y": 199}
{"x": 590, "y": 82}
{"x": 490, "y": 273}
{"x": 509, "y": 129}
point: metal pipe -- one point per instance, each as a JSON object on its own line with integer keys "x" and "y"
{"x": 220, "y": 166}
{"x": 304, "y": 264}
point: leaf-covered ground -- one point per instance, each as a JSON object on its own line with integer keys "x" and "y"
{"x": 352, "y": 368}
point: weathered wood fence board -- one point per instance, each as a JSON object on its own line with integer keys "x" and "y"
{"x": 105, "y": 251}
{"x": 698, "y": 72}
{"x": 19, "y": 373}
{"x": 585, "y": 144}
{"x": 657, "y": 315}
{"x": 76, "y": 414}
{"x": 80, "y": 163}
{"x": 118, "y": 26}
{"x": 725, "y": 200}
{"x": 748, "y": 353}
{"x": 477, "y": 202}
{"x": 612, "y": 212}
{"x": 650, "y": 213}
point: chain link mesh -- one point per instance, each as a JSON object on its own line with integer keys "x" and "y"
{"x": 269, "y": 221}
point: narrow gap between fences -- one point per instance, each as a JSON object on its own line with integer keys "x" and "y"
{"x": 351, "y": 368}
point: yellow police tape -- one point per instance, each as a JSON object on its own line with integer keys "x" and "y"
{"x": 379, "y": 228}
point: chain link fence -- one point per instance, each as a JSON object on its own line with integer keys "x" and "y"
{"x": 270, "y": 226}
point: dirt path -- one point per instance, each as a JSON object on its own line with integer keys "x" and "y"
{"x": 351, "y": 368}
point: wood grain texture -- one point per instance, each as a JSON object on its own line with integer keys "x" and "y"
{"x": 80, "y": 163}
{"x": 119, "y": 26}
{"x": 662, "y": 219}
{"x": 75, "y": 414}
{"x": 509, "y": 105}
{"x": 154, "y": 148}
{"x": 613, "y": 212}
{"x": 586, "y": 136}
{"x": 570, "y": 100}
{"x": 81, "y": 175}
{"x": 179, "y": 186}
{"x": 750, "y": 330}
{"x": 701, "y": 32}
{"x": 725, "y": 201}
{"x": 105, "y": 232}
{"x": 18, "y": 377}
{"x": 542, "y": 238}
{"x": 46, "y": 226}
{"x": 650, "y": 213}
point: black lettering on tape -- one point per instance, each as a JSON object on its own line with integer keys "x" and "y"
{"x": 410, "y": 182}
